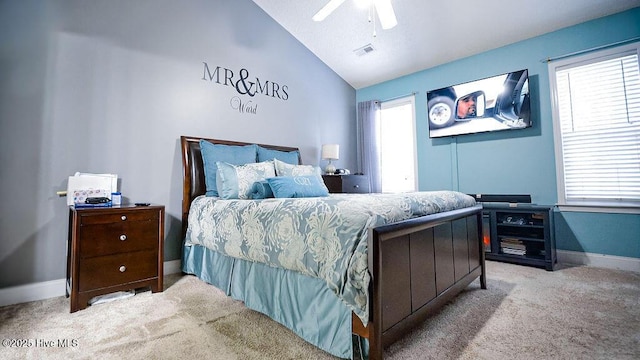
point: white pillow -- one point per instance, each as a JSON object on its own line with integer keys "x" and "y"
{"x": 284, "y": 169}
{"x": 236, "y": 181}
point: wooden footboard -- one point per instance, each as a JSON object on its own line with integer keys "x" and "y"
{"x": 417, "y": 266}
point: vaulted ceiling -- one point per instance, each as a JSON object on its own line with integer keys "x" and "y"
{"x": 429, "y": 33}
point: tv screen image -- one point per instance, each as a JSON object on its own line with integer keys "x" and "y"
{"x": 495, "y": 103}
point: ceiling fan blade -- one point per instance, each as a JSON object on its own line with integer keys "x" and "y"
{"x": 385, "y": 13}
{"x": 327, "y": 9}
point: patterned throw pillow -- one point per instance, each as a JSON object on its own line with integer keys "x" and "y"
{"x": 284, "y": 169}
{"x": 236, "y": 181}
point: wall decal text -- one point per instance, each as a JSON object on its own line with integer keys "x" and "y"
{"x": 245, "y": 86}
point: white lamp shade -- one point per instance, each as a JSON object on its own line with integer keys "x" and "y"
{"x": 330, "y": 152}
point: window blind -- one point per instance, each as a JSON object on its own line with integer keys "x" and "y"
{"x": 598, "y": 107}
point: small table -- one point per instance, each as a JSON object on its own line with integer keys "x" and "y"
{"x": 114, "y": 249}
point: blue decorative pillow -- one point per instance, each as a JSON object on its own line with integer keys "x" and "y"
{"x": 297, "y": 186}
{"x": 261, "y": 190}
{"x": 290, "y": 157}
{"x": 212, "y": 153}
{"x": 284, "y": 169}
{"x": 236, "y": 181}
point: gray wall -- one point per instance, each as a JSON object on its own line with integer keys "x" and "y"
{"x": 109, "y": 87}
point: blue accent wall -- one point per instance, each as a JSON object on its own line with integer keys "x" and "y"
{"x": 611, "y": 234}
{"x": 519, "y": 161}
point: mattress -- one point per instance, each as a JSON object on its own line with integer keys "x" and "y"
{"x": 324, "y": 237}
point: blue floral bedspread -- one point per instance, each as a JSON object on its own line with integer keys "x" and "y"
{"x": 323, "y": 237}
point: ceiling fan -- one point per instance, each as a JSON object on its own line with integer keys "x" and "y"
{"x": 383, "y": 7}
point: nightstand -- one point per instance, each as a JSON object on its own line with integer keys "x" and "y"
{"x": 114, "y": 249}
{"x": 347, "y": 183}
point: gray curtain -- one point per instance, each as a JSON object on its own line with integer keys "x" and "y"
{"x": 368, "y": 155}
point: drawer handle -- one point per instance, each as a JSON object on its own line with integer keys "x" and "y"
{"x": 123, "y": 217}
{"x": 123, "y": 237}
{"x": 123, "y": 268}
{"x": 356, "y": 186}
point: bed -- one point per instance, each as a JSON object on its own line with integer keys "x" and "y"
{"x": 412, "y": 267}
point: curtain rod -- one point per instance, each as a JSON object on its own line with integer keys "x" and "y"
{"x": 550, "y": 59}
{"x": 398, "y": 97}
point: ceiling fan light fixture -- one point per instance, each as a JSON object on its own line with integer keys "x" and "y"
{"x": 327, "y": 9}
{"x": 385, "y": 13}
{"x": 383, "y": 8}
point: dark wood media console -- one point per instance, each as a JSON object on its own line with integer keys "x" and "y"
{"x": 521, "y": 234}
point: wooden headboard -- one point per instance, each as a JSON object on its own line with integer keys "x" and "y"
{"x": 193, "y": 184}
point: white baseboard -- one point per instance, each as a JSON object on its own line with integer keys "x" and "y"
{"x": 54, "y": 288}
{"x": 32, "y": 292}
{"x": 598, "y": 260}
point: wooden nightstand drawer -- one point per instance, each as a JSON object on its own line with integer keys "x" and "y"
{"x": 119, "y": 217}
{"x": 355, "y": 184}
{"x": 347, "y": 183}
{"x": 118, "y": 237}
{"x": 105, "y": 271}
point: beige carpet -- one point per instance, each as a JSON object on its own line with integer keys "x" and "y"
{"x": 527, "y": 313}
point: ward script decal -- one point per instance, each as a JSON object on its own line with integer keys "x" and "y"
{"x": 246, "y": 87}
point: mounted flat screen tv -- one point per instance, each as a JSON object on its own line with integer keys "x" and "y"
{"x": 499, "y": 102}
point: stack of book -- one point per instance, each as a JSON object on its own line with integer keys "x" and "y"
{"x": 512, "y": 246}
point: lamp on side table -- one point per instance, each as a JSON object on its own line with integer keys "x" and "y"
{"x": 330, "y": 152}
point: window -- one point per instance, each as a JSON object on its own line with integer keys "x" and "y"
{"x": 397, "y": 145}
{"x": 596, "y": 118}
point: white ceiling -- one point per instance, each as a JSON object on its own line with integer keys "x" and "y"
{"x": 429, "y": 32}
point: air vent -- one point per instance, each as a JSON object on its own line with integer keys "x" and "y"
{"x": 364, "y": 50}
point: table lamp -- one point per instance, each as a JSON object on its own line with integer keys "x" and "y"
{"x": 330, "y": 152}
